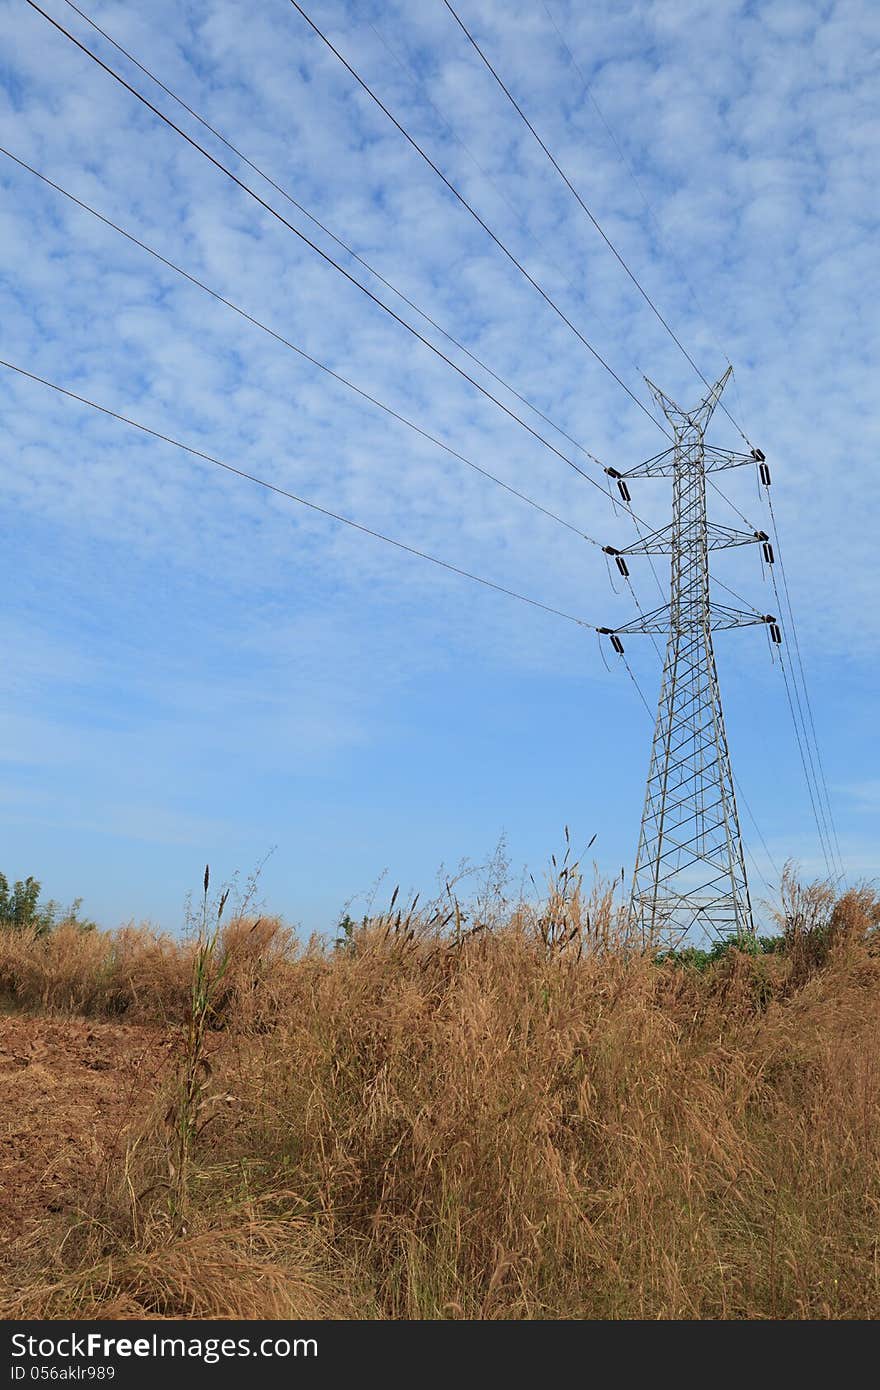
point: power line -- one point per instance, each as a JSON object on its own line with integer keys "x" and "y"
{"x": 797, "y": 648}
{"x": 772, "y": 862}
{"x": 805, "y": 748}
{"x": 643, "y": 615}
{"x": 601, "y": 231}
{"x": 570, "y": 186}
{"x": 733, "y": 593}
{"x": 632, "y": 676}
{"x": 373, "y": 400}
{"x": 724, "y": 497}
{"x": 641, "y": 535}
{"x": 293, "y": 497}
{"x": 327, "y": 232}
{"x": 246, "y": 188}
{"x": 314, "y": 247}
{"x": 804, "y": 751}
{"x": 809, "y": 745}
{"x": 312, "y": 506}
{"x": 329, "y": 259}
{"x": 807, "y": 779}
{"x": 302, "y": 501}
{"x": 465, "y": 204}
{"x": 588, "y": 91}
{"x": 821, "y": 811}
{"x": 408, "y": 67}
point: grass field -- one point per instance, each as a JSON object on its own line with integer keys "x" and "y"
{"x": 475, "y": 1113}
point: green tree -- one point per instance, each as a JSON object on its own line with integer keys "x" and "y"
{"x": 21, "y": 909}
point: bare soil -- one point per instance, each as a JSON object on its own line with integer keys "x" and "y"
{"x": 68, "y": 1088}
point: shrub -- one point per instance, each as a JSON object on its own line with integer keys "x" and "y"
{"x": 519, "y": 1116}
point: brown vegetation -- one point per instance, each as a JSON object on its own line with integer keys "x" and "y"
{"x": 450, "y": 1116}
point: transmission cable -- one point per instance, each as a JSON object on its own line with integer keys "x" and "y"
{"x": 733, "y": 593}
{"x": 204, "y": 456}
{"x": 318, "y": 250}
{"x": 407, "y": 66}
{"x": 733, "y": 507}
{"x": 598, "y": 227}
{"x": 832, "y": 874}
{"x": 261, "y": 482}
{"x": 803, "y": 745}
{"x": 312, "y": 506}
{"x": 486, "y": 228}
{"x": 805, "y": 749}
{"x": 797, "y": 648}
{"x": 570, "y": 186}
{"x": 373, "y": 400}
{"x": 588, "y": 91}
{"x": 643, "y": 615}
{"x": 293, "y": 497}
{"x": 810, "y": 744}
{"x": 327, "y": 232}
{"x": 641, "y": 535}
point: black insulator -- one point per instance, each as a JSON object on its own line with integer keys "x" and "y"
{"x": 758, "y": 455}
{"x": 768, "y": 552}
{"x": 775, "y": 634}
{"x": 623, "y": 490}
{"x": 617, "y": 644}
{"x": 764, "y": 474}
{"x": 761, "y": 536}
{"x": 621, "y": 565}
{"x": 610, "y": 550}
{"x": 612, "y": 472}
{"x": 607, "y": 631}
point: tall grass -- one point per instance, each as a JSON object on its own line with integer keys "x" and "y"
{"x": 446, "y": 1116}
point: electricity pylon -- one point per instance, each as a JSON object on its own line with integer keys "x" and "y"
{"x": 690, "y": 874}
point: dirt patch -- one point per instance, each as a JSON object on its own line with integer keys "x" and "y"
{"x": 68, "y": 1089}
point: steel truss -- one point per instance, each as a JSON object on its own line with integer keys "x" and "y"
{"x": 690, "y": 876}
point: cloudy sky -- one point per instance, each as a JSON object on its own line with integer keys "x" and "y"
{"x": 197, "y": 669}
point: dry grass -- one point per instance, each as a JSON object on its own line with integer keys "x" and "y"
{"x": 517, "y": 1120}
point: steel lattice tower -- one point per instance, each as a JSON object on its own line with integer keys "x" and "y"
{"x": 690, "y": 875}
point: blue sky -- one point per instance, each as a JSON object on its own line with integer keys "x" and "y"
{"x": 198, "y": 670}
